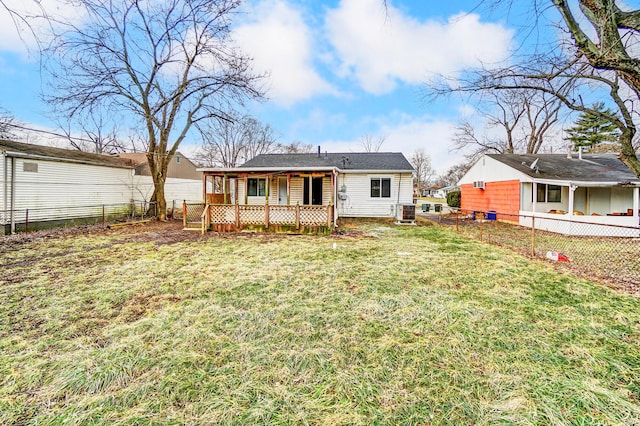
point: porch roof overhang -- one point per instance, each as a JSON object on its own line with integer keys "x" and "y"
{"x": 583, "y": 184}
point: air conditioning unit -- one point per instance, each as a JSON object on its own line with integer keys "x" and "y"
{"x": 406, "y": 212}
{"x": 478, "y": 184}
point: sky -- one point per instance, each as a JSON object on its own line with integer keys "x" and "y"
{"x": 339, "y": 70}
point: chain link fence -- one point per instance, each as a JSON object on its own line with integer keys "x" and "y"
{"x": 25, "y": 220}
{"x": 589, "y": 245}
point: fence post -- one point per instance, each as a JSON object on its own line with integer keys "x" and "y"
{"x": 329, "y": 210}
{"x": 481, "y": 220}
{"x": 103, "y": 218}
{"x": 297, "y": 214}
{"x": 184, "y": 213}
{"x": 457, "y": 214}
{"x": 237, "y": 216}
{"x": 533, "y": 236}
{"x": 26, "y": 222}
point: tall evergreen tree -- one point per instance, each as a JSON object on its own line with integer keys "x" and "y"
{"x": 594, "y": 127}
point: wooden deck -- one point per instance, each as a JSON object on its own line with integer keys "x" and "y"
{"x": 278, "y": 218}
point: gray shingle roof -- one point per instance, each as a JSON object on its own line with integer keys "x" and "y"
{"x": 344, "y": 161}
{"x": 592, "y": 167}
{"x": 60, "y": 154}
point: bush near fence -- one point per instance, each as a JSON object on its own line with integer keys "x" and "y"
{"x": 610, "y": 258}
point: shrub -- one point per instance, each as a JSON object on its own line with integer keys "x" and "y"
{"x": 453, "y": 199}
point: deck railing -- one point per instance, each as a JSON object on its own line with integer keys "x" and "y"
{"x": 234, "y": 217}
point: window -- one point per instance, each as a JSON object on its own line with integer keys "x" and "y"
{"x": 548, "y": 193}
{"x": 381, "y": 188}
{"x": 257, "y": 187}
{"x": 554, "y": 193}
{"x": 177, "y": 159}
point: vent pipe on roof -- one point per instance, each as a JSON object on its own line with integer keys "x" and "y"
{"x": 569, "y": 152}
{"x": 318, "y": 151}
{"x": 580, "y": 153}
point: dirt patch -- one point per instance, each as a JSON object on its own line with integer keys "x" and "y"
{"x": 137, "y": 306}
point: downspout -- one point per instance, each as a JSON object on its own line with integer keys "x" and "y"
{"x": 335, "y": 198}
{"x": 13, "y": 194}
{"x": 4, "y": 190}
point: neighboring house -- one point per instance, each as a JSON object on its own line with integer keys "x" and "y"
{"x": 431, "y": 191}
{"x": 442, "y": 192}
{"x": 184, "y": 181}
{"x": 338, "y": 184}
{"x": 56, "y": 185}
{"x": 560, "y": 191}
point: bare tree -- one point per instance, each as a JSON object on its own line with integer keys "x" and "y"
{"x": 295, "y": 147}
{"x": 229, "y": 143}
{"x": 454, "y": 174}
{"x": 524, "y": 116}
{"x": 423, "y": 171}
{"x": 260, "y": 139}
{"x": 371, "y": 144}
{"x": 98, "y": 135}
{"x": 168, "y": 63}
{"x": 7, "y": 124}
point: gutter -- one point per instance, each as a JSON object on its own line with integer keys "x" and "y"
{"x": 63, "y": 160}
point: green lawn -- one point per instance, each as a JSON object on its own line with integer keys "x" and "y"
{"x": 400, "y": 325}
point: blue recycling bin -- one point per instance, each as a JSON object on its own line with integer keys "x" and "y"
{"x": 491, "y": 215}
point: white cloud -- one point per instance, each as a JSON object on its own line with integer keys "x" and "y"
{"x": 383, "y": 47}
{"x": 281, "y": 44}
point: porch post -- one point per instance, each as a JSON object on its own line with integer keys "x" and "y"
{"x": 636, "y": 202}
{"x": 572, "y": 190}
{"x": 204, "y": 187}
{"x": 224, "y": 188}
{"x": 267, "y": 184}
{"x": 288, "y": 188}
{"x": 246, "y": 189}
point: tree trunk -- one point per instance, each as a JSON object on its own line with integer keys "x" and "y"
{"x": 627, "y": 153}
{"x": 158, "y": 165}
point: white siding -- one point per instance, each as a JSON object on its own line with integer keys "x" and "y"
{"x": 175, "y": 190}
{"x": 57, "y": 185}
{"x": 489, "y": 170}
{"x": 359, "y": 202}
{"x": 296, "y": 191}
{"x": 49, "y": 188}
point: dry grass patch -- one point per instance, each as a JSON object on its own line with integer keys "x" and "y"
{"x": 383, "y": 324}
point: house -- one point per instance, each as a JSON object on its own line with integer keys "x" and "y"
{"x": 431, "y": 191}
{"x": 184, "y": 181}
{"x": 301, "y": 186}
{"x": 560, "y": 191}
{"x": 46, "y": 186}
{"x": 442, "y": 192}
